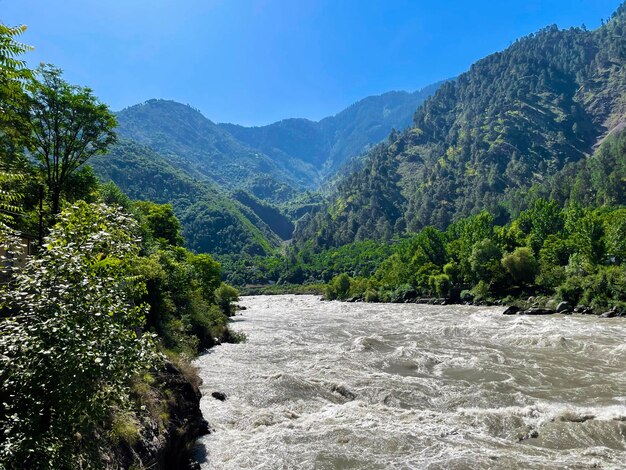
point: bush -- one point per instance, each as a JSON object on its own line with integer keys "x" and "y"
{"x": 481, "y": 291}
{"x": 440, "y": 285}
{"x": 338, "y": 288}
{"x": 225, "y": 296}
{"x": 371, "y": 296}
{"x": 73, "y": 342}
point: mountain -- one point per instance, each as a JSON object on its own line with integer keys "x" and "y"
{"x": 224, "y": 181}
{"x": 211, "y": 221}
{"x": 272, "y": 162}
{"x": 200, "y": 147}
{"x": 315, "y": 150}
{"x": 515, "y": 120}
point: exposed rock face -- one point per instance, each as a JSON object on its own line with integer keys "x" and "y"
{"x": 219, "y": 396}
{"x": 169, "y": 448}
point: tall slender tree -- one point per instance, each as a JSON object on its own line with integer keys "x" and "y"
{"x": 69, "y": 125}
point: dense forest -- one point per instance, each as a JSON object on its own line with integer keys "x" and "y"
{"x": 550, "y": 252}
{"x": 239, "y": 190}
{"x": 516, "y": 122}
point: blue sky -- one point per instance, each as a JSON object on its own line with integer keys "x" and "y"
{"x": 253, "y": 62}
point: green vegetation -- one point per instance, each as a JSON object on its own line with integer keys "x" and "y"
{"x": 518, "y": 125}
{"x": 68, "y": 126}
{"x": 510, "y": 184}
{"x": 91, "y": 322}
{"x": 68, "y": 340}
{"x": 569, "y": 254}
{"x": 210, "y": 222}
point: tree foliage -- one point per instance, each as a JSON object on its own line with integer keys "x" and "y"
{"x": 71, "y": 340}
{"x": 69, "y": 125}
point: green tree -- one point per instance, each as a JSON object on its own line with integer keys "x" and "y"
{"x": 209, "y": 273}
{"x": 485, "y": 260}
{"x": 521, "y": 265}
{"x": 13, "y": 78}
{"x": 615, "y": 230}
{"x": 68, "y": 126}
{"x": 440, "y": 285}
{"x": 339, "y": 287}
{"x": 160, "y": 221}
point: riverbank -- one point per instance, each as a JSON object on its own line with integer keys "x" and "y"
{"x": 168, "y": 420}
{"x": 528, "y": 306}
{"x": 168, "y": 430}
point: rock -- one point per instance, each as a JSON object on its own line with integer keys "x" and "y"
{"x": 610, "y": 314}
{"x": 219, "y": 396}
{"x": 165, "y": 445}
{"x": 512, "y": 310}
{"x": 587, "y": 311}
{"x": 564, "y": 307}
{"x": 579, "y": 309}
{"x": 538, "y": 311}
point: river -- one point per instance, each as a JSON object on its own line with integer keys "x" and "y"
{"x": 330, "y": 385}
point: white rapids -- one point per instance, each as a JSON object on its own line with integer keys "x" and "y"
{"x": 330, "y": 385}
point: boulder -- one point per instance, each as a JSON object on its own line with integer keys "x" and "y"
{"x": 538, "y": 311}
{"x": 564, "y": 307}
{"x": 219, "y": 396}
{"x": 512, "y": 310}
{"x": 614, "y": 312}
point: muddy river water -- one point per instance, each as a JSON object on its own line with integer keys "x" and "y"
{"x": 330, "y": 385}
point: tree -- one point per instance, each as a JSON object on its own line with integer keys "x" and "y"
{"x": 521, "y": 264}
{"x": 68, "y": 126}
{"x": 485, "y": 260}
{"x": 225, "y": 295}
{"x": 160, "y": 221}
{"x": 13, "y": 76}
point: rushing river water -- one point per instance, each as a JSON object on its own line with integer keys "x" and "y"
{"x": 324, "y": 385}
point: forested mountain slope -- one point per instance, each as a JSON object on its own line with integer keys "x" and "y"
{"x": 512, "y": 121}
{"x": 273, "y": 162}
{"x": 315, "y": 150}
{"x": 211, "y": 222}
{"x": 201, "y": 148}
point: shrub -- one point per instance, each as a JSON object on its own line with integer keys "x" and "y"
{"x": 225, "y": 296}
{"x": 72, "y": 344}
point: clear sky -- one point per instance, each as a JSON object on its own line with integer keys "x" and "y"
{"x": 253, "y": 62}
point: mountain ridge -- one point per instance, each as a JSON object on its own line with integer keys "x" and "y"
{"x": 514, "y": 119}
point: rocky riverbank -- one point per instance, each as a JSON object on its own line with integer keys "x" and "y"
{"x": 170, "y": 428}
{"x": 531, "y": 306}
